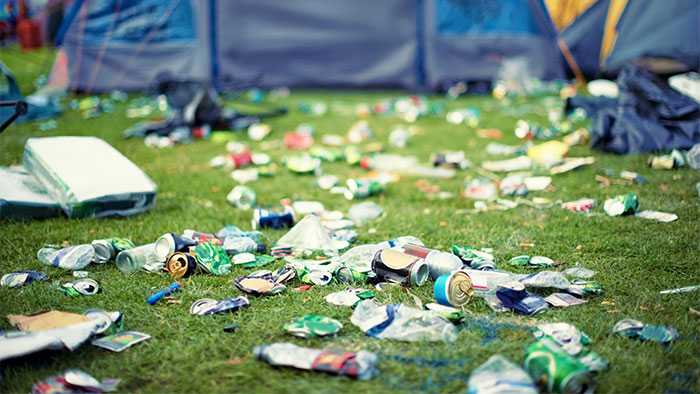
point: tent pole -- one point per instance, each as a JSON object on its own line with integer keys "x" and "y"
{"x": 580, "y": 79}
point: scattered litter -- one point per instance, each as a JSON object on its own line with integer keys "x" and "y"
{"x": 208, "y": 306}
{"x": 120, "y": 341}
{"x": 21, "y": 278}
{"x": 645, "y": 332}
{"x": 662, "y": 217}
{"x": 311, "y": 326}
{"x": 401, "y": 322}
{"x": 74, "y": 381}
{"x": 359, "y": 365}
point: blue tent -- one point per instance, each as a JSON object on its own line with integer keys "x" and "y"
{"x": 126, "y": 44}
{"x": 667, "y": 29}
{"x": 584, "y": 36}
{"x": 650, "y": 31}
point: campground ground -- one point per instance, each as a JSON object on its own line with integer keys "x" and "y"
{"x": 634, "y": 260}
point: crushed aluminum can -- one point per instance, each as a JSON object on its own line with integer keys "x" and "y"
{"x": 265, "y": 282}
{"x": 170, "y": 243}
{"x": 394, "y": 266}
{"x": 312, "y": 326}
{"x": 208, "y": 306}
{"x": 358, "y": 188}
{"x": 181, "y": 265}
{"x": 267, "y": 218}
{"x": 85, "y": 286}
{"x": 212, "y": 258}
{"x": 242, "y": 197}
{"x": 625, "y": 204}
{"x": 555, "y": 370}
{"x": 21, "y": 278}
{"x": 107, "y": 249}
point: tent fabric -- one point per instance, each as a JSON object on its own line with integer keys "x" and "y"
{"x": 126, "y": 44}
{"x": 471, "y": 38}
{"x": 565, "y": 12}
{"x": 647, "y": 116}
{"x": 315, "y": 43}
{"x": 670, "y": 29}
{"x": 583, "y": 37}
{"x": 612, "y": 33}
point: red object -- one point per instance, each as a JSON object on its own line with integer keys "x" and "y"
{"x": 29, "y": 34}
{"x": 298, "y": 141}
{"x": 241, "y": 159}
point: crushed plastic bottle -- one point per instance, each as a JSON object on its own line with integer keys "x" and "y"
{"x": 402, "y": 322}
{"x": 500, "y": 375}
{"x": 69, "y": 258}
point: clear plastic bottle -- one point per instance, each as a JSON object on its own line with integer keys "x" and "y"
{"x": 500, "y": 375}
{"x": 140, "y": 257}
{"x": 70, "y": 258}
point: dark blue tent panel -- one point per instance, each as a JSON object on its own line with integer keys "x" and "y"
{"x": 468, "y": 39}
{"x": 584, "y": 36}
{"x": 660, "y": 29}
{"x": 317, "y": 42}
{"x": 125, "y": 44}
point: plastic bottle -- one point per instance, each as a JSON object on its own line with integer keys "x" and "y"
{"x": 141, "y": 257}
{"x": 500, "y": 375}
{"x": 70, "y": 258}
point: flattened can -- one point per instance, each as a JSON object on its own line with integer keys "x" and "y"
{"x": 555, "y": 370}
{"x": 393, "y": 266}
{"x": 346, "y": 274}
{"x": 624, "y": 204}
{"x": 107, "y": 249}
{"x": 454, "y": 289}
{"x": 170, "y": 243}
{"x": 358, "y": 188}
{"x": 181, "y": 265}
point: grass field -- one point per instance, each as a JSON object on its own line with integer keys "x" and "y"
{"x": 634, "y": 260}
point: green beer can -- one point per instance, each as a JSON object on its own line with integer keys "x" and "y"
{"x": 555, "y": 371}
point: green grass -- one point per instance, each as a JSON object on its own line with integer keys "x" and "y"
{"x": 634, "y": 259}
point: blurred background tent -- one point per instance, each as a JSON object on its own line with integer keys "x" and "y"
{"x": 126, "y": 44}
{"x": 604, "y": 35}
{"x": 424, "y": 44}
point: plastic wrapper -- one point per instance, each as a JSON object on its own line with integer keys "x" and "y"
{"x": 401, "y": 322}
